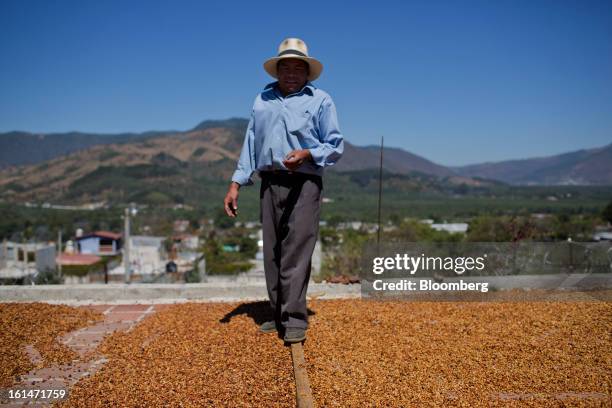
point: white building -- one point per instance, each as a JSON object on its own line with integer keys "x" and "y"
{"x": 456, "y": 227}
{"x": 22, "y": 260}
{"x": 603, "y": 236}
{"x": 148, "y": 256}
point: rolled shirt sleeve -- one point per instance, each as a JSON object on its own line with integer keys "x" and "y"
{"x": 246, "y": 162}
{"x": 332, "y": 142}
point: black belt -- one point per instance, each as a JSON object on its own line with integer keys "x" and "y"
{"x": 278, "y": 172}
{"x": 288, "y": 174}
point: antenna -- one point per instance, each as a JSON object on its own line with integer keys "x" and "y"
{"x": 380, "y": 169}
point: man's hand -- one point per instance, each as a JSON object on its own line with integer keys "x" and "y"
{"x": 231, "y": 200}
{"x": 295, "y": 158}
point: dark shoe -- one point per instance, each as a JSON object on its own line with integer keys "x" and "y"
{"x": 294, "y": 335}
{"x": 268, "y": 327}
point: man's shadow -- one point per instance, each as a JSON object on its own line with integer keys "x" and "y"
{"x": 259, "y": 311}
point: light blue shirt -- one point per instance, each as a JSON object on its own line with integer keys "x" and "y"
{"x": 303, "y": 120}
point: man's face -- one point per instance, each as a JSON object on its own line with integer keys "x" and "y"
{"x": 292, "y": 75}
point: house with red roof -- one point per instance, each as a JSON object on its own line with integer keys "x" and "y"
{"x": 101, "y": 243}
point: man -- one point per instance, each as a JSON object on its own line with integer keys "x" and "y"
{"x": 292, "y": 136}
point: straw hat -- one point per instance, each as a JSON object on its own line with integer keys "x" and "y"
{"x": 294, "y": 48}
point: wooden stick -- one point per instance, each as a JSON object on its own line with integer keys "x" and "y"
{"x": 302, "y": 385}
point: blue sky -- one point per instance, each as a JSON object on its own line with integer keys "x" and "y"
{"x": 457, "y": 82}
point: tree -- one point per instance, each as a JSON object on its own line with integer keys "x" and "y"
{"x": 222, "y": 220}
{"x": 607, "y": 212}
{"x": 345, "y": 260}
{"x": 488, "y": 229}
{"x": 48, "y": 276}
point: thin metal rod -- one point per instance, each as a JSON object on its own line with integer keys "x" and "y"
{"x": 380, "y": 169}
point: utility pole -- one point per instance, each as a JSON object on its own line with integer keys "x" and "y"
{"x": 23, "y": 263}
{"x": 126, "y": 245}
{"x": 59, "y": 249}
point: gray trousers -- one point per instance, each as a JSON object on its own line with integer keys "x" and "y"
{"x": 290, "y": 207}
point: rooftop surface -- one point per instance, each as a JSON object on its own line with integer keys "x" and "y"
{"x": 358, "y": 353}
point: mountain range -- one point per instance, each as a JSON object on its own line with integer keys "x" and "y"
{"x": 31, "y": 162}
{"x": 582, "y": 167}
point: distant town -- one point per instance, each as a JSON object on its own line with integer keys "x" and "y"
{"x": 218, "y": 249}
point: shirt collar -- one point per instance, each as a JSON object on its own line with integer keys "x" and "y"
{"x": 308, "y": 87}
